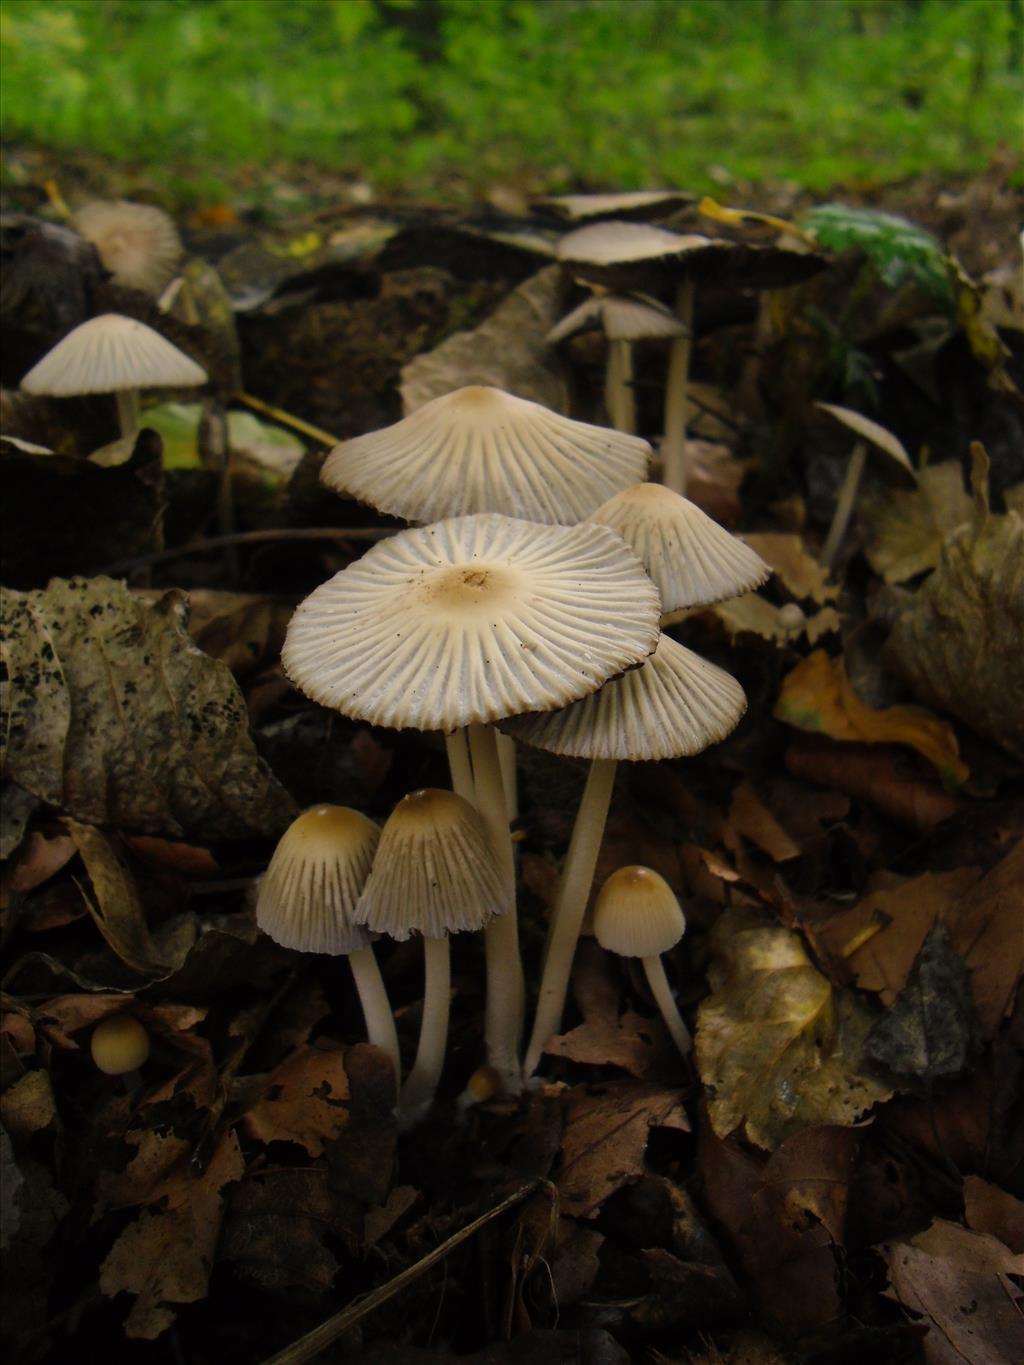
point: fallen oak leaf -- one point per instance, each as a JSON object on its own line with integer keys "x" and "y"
{"x": 778, "y": 1050}
{"x": 818, "y": 696}
{"x": 305, "y": 1100}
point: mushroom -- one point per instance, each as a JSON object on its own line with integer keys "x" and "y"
{"x": 624, "y": 319}
{"x": 434, "y": 874}
{"x": 623, "y": 255}
{"x": 119, "y": 1046}
{"x": 482, "y": 450}
{"x": 137, "y": 243}
{"x": 870, "y": 436}
{"x": 642, "y": 204}
{"x": 459, "y": 624}
{"x": 307, "y": 897}
{"x": 113, "y": 354}
{"x": 636, "y": 914}
{"x": 675, "y": 705}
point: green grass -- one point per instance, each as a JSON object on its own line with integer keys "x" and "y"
{"x": 544, "y": 93}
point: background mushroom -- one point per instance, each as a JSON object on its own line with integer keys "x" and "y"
{"x": 119, "y": 1046}
{"x": 870, "y": 436}
{"x": 138, "y": 243}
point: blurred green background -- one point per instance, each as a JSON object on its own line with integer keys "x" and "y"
{"x": 450, "y": 95}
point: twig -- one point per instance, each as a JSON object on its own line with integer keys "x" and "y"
{"x": 285, "y": 419}
{"x": 208, "y": 543}
{"x": 321, "y": 1337}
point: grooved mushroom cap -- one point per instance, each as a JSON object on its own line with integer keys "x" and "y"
{"x": 675, "y": 706}
{"x": 625, "y": 204}
{"x": 878, "y": 436}
{"x": 472, "y": 619}
{"x": 636, "y": 914}
{"x": 624, "y": 255}
{"x": 119, "y": 1044}
{"x": 622, "y": 317}
{"x": 138, "y": 243}
{"x": 482, "y": 450}
{"x": 309, "y": 891}
{"x": 435, "y": 872}
{"x": 108, "y": 354}
{"x": 691, "y": 558}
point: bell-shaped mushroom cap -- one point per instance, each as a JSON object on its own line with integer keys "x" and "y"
{"x": 675, "y": 706}
{"x": 309, "y": 891}
{"x": 878, "y": 436}
{"x": 119, "y": 1044}
{"x": 625, "y": 255}
{"x": 691, "y": 558}
{"x": 138, "y": 243}
{"x": 472, "y": 619}
{"x": 636, "y": 914}
{"x": 435, "y": 872}
{"x": 109, "y": 354}
{"x": 482, "y": 450}
{"x": 626, "y": 204}
{"x": 622, "y": 317}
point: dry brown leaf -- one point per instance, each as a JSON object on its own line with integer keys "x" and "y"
{"x": 752, "y": 614}
{"x": 751, "y": 818}
{"x": 958, "y": 1281}
{"x": 876, "y": 775}
{"x": 778, "y": 1050}
{"x": 65, "y": 1015}
{"x": 908, "y": 527}
{"x": 605, "y": 1138}
{"x": 631, "y": 1041}
{"x": 243, "y": 630}
{"x": 379, "y": 1221}
{"x": 305, "y": 1100}
{"x": 28, "y": 1106}
{"x": 819, "y": 697}
{"x": 165, "y": 1256}
{"x": 39, "y": 858}
{"x": 801, "y": 574}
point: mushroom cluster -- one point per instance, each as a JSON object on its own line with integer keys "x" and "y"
{"x": 532, "y": 603}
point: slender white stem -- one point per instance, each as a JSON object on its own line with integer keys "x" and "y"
{"x": 844, "y": 506}
{"x": 673, "y": 446}
{"x": 457, "y": 745}
{"x": 505, "y": 986}
{"x": 509, "y": 778}
{"x": 128, "y": 410}
{"x": 570, "y": 905}
{"x": 380, "y": 1022}
{"x": 419, "y": 1090}
{"x": 625, "y": 411}
{"x": 662, "y": 992}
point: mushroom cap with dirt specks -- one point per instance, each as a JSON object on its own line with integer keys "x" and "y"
{"x": 309, "y": 892}
{"x": 637, "y": 914}
{"x": 472, "y": 619}
{"x": 109, "y": 354}
{"x": 482, "y": 450}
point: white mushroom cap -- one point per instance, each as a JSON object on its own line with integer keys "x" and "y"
{"x": 636, "y": 914}
{"x": 309, "y": 891}
{"x": 622, "y": 317}
{"x": 675, "y": 706}
{"x": 878, "y": 436}
{"x": 138, "y": 243}
{"x": 482, "y": 450}
{"x": 109, "y": 354}
{"x": 616, "y": 243}
{"x": 625, "y": 204}
{"x": 435, "y": 872}
{"x": 691, "y": 558}
{"x": 472, "y": 619}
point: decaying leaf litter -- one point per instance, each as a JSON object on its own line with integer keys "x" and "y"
{"x": 835, "y": 1171}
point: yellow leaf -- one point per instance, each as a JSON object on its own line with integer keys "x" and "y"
{"x": 818, "y": 696}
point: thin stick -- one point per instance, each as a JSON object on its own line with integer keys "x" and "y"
{"x": 673, "y": 446}
{"x": 844, "y": 507}
{"x": 208, "y": 543}
{"x": 309, "y": 1346}
{"x": 569, "y": 907}
{"x": 506, "y": 989}
{"x": 285, "y": 419}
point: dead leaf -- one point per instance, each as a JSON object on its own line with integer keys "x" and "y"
{"x": 605, "y": 1138}
{"x": 778, "y": 1050}
{"x": 959, "y": 640}
{"x": 752, "y": 614}
{"x": 991, "y": 1210}
{"x": 908, "y": 527}
{"x": 166, "y": 1255}
{"x": 243, "y": 630}
{"x": 379, "y": 1221}
{"x": 28, "y": 1106}
{"x": 39, "y": 859}
{"x": 800, "y": 573}
{"x": 958, "y": 1281}
{"x": 818, "y": 696}
{"x": 876, "y": 775}
{"x": 751, "y": 818}
{"x": 631, "y": 1041}
{"x": 507, "y": 351}
{"x": 305, "y": 1100}
{"x": 117, "y": 718}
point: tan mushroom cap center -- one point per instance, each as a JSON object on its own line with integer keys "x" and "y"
{"x": 325, "y": 831}
{"x": 471, "y": 589}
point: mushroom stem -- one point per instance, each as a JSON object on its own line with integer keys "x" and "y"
{"x": 505, "y": 986}
{"x": 457, "y": 746}
{"x": 507, "y": 759}
{"x": 570, "y": 905}
{"x": 619, "y": 398}
{"x": 380, "y": 1022}
{"x": 844, "y": 506}
{"x": 662, "y": 992}
{"x": 673, "y": 446}
{"x": 419, "y": 1089}
{"x": 128, "y": 410}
